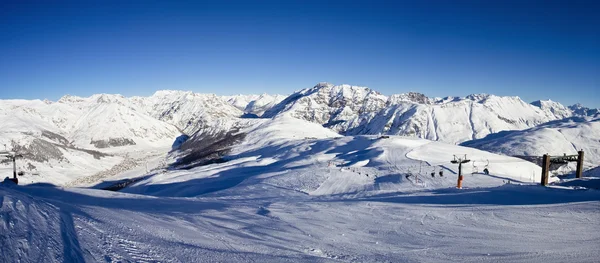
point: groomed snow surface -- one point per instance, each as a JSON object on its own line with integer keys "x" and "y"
{"x": 294, "y": 191}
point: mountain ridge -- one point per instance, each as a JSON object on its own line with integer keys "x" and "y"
{"x": 106, "y": 121}
{"x": 345, "y": 109}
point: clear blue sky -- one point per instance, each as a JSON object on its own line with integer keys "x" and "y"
{"x": 532, "y": 49}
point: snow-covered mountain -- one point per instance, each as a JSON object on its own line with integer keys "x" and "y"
{"x": 359, "y": 110}
{"x": 37, "y": 130}
{"x": 107, "y": 120}
{"x": 345, "y": 109}
{"x": 186, "y": 110}
{"x": 76, "y": 137}
{"x": 566, "y": 136}
{"x": 340, "y": 108}
{"x": 553, "y": 108}
{"x": 288, "y": 188}
{"x": 116, "y": 124}
{"x": 254, "y": 104}
{"x": 580, "y": 110}
{"x": 294, "y": 191}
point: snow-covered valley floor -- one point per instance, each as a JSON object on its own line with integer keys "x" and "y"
{"x": 318, "y": 197}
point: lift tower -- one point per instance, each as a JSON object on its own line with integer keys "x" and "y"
{"x": 460, "y": 160}
{"x": 564, "y": 159}
{"x": 12, "y": 156}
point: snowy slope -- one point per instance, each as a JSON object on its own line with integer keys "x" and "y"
{"x": 554, "y": 108}
{"x": 118, "y": 125}
{"x": 61, "y": 140}
{"x": 83, "y": 120}
{"x": 35, "y": 129}
{"x": 484, "y": 225}
{"x": 108, "y": 124}
{"x": 560, "y": 137}
{"x": 186, "y": 110}
{"x": 294, "y": 191}
{"x": 305, "y": 157}
{"x": 284, "y": 190}
{"x": 48, "y": 160}
{"x": 337, "y": 107}
{"x": 254, "y": 104}
{"x": 35, "y": 115}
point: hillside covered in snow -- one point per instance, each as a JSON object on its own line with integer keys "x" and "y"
{"x": 288, "y": 190}
{"x": 101, "y": 131}
{"x": 328, "y": 174}
{"x": 566, "y": 136}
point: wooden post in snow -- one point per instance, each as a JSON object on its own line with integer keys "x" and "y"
{"x": 545, "y": 169}
{"x": 579, "y": 173}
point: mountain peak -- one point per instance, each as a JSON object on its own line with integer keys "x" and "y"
{"x": 166, "y": 92}
{"x": 553, "y": 108}
{"x": 415, "y": 97}
{"x": 323, "y": 85}
{"x": 546, "y": 103}
{"x": 479, "y": 97}
{"x": 108, "y": 98}
{"x": 581, "y": 110}
{"x": 70, "y": 99}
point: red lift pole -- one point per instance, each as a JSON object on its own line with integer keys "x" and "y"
{"x": 460, "y": 161}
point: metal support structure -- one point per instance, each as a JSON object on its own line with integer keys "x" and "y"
{"x": 460, "y": 161}
{"x": 460, "y": 177}
{"x": 579, "y": 173}
{"x": 14, "y": 159}
{"x": 564, "y": 159}
{"x": 12, "y": 156}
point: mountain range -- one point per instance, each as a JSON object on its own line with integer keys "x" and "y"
{"x": 105, "y": 127}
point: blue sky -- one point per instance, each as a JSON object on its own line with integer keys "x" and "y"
{"x": 531, "y": 49}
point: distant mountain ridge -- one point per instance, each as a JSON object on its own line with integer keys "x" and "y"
{"x": 357, "y": 110}
{"x": 346, "y": 109}
{"x": 254, "y": 104}
{"x": 108, "y": 120}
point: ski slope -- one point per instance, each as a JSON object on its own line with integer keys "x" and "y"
{"x": 508, "y": 223}
{"x": 316, "y": 161}
{"x": 293, "y": 191}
